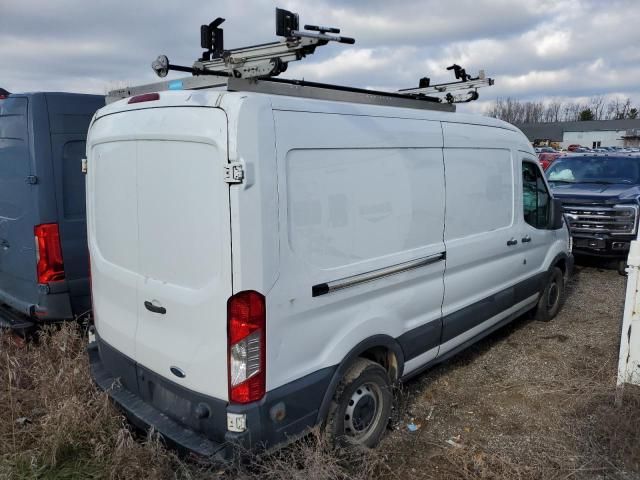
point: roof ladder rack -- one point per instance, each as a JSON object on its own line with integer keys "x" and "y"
{"x": 465, "y": 83}
{"x": 253, "y": 68}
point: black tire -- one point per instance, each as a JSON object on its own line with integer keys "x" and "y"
{"x": 361, "y": 406}
{"x": 552, "y": 297}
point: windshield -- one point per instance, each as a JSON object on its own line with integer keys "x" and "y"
{"x": 595, "y": 170}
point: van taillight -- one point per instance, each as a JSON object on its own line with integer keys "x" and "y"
{"x": 48, "y": 253}
{"x": 246, "y": 330}
{"x": 145, "y": 97}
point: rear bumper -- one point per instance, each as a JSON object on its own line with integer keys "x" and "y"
{"x": 196, "y": 423}
{"x": 39, "y": 303}
{"x": 14, "y": 320}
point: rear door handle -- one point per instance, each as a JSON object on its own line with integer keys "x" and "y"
{"x": 526, "y": 239}
{"x": 155, "y": 309}
{"x": 512, "y": 242}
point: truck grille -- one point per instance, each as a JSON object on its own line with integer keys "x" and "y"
{"x": 617, "y": 220}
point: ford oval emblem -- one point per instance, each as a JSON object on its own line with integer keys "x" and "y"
{"x": 177, "y": 372}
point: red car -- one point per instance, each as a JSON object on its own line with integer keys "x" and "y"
{"x": 573, "y": 147}
{"x": 547, "y": 159}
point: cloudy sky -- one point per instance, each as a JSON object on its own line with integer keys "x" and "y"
{"x": 535, "y": 49}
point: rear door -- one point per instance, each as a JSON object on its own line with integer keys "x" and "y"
{"x": 69, "y": 118}
{"x": 17, "y": 206}
{"x": 161, "y": 232}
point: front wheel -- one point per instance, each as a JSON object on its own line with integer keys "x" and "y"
{"x": 361, "y": 406}
{"x": 552, "y": 297}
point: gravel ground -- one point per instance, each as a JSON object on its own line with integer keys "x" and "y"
{"x": 520, "y": 403}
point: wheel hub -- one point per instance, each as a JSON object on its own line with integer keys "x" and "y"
{"x": 362, "y": 410}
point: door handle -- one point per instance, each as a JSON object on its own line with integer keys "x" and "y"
{"x": 155, "y": 309}
{"x": 526, "y": 239}
{"x": 512, "y": 242}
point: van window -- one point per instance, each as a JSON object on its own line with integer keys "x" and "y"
{"x": 350, "y": 205}
{"x": 479, "y": 191}
{"x": 535, "y": 196}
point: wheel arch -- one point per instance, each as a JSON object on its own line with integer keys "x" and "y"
{"x": 381, "y": 349}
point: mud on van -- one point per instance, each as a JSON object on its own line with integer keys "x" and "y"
{"x": 44, "y": 265}
{"x": 263, "y": 263}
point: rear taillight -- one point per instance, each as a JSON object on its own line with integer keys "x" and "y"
{"x": 48, "y": 253}
{"x": 145, "y": 97}
{"x": 246, "y": 317}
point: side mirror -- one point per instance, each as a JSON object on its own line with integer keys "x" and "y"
{"x": 557, "y": 215}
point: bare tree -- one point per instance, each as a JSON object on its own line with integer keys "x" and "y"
{"x": 597, "y": 106}
{"x": 552, "y": 112}
{"x": 516, "y": 111}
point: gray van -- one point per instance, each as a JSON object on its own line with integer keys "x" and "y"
{"x": 44, "y": 267}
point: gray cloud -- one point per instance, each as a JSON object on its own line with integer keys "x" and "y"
{"x": 534, "y": 49}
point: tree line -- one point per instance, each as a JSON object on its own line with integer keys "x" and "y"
{"x": 513, "y": 110}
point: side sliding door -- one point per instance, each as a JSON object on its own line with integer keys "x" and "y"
{"x": 481, "y": 232}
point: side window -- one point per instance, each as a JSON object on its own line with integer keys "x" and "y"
{"x": 536, "y": 198}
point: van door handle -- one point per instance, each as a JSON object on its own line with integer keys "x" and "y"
{"x": 526, "y": 239}
{"x": 155, "y": 309}
{"x": 512, "y": 242}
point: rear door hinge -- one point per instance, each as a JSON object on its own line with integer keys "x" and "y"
{"x": 31, "y": 180}
{"x": 233, "y": 172}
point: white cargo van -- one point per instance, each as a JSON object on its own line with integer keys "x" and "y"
{"x": 264, "y": 263}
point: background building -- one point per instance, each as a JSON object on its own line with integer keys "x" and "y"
{"x": 593, "y": 133}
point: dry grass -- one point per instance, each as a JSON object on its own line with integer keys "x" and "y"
{"x": 533, "y": 401}
{"x": 55, "y": 424}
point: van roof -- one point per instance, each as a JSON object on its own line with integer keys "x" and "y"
{"x": 217, "y": 96}
{"x": 54, "y": 94}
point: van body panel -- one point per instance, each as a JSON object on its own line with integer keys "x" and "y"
{"x": 334, "y": 226}
{"x": 254, "y": 202}
{"x": 159, "y": 228}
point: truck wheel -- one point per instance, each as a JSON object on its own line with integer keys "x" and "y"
{"x": 552, "y": 297}
{"x": 361, "y": 406}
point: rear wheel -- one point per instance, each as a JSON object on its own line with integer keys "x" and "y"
{"x": 361, "y": 406}
{"x": 552, "y": 297}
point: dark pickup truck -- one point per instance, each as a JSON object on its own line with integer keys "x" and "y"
{"x": 601, "y": 198}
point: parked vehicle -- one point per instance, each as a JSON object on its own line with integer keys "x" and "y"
{"x": 547, "y": 159}
{"x": 42, "y": 196}
{"x": 601, "y": 198}
{"x": 574, "y": 147}
{"x": 363, "y": 244}
{"x": 545, "y": 150}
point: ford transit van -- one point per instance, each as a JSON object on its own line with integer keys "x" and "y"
{"x": 265, "y": 263}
